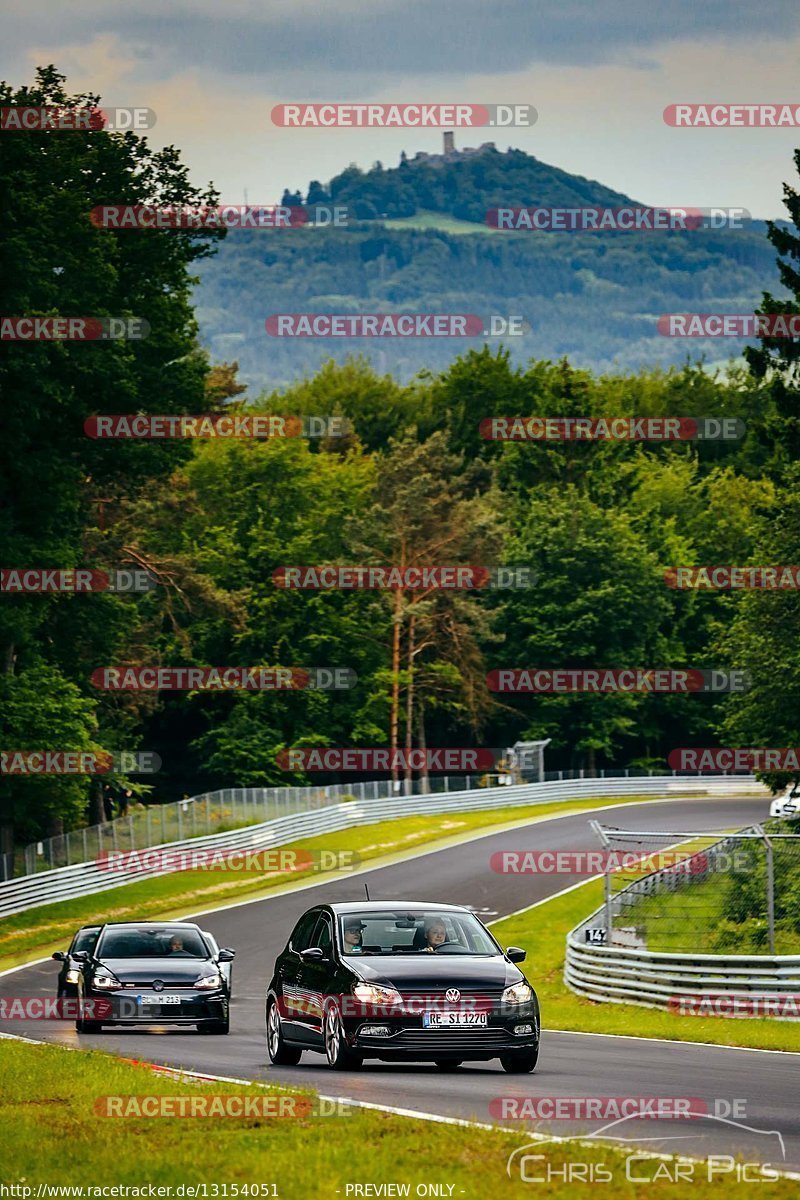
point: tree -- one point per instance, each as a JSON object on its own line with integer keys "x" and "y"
{"x": 777, "y": 360}
{"x": 424, "y": 514}
{"x": 56, "y": 483}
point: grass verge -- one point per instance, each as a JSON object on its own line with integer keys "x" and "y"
{"x": 542, "y": 931}
{"x": 53, "y": 1135}
{"x": 39, "y": 931}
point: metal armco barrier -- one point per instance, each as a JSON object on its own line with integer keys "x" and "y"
{"x": 736, "y": 985}
{"x": 85, "y": 879}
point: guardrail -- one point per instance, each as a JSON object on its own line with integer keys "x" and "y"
{"x": 740, "y": 985}
{"x": 88, "y": 878}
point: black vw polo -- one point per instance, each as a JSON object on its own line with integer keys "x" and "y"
{"x": 153, "y": 973}
{"x": 400, "y": 981}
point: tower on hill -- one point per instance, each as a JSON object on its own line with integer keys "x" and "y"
{"x": 449, "y": 141}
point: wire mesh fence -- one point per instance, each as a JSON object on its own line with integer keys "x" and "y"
{"x": 703, "y": 891}
{"x": 232, "y": 808}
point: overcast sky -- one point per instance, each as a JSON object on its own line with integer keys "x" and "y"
{"x": 599, "y": 76}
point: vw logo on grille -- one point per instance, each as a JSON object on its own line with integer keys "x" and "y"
{"x": 158, "y": 985}
{"x": 452, "y": 994}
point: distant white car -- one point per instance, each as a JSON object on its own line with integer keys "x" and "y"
{"x": 787, "y": 804}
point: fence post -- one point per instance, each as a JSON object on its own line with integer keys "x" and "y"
{"x": 609, "y": 918}
{"x": 85, "y": 847}
{"x": 770, "y": 894}
{"x": 180, "y": 820}
{"x": 131, "y": 831}
{"x": 208, "y": 812}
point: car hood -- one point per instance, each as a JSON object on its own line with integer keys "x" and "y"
{"x": 143, "y": 970}
{"x": 437, "y": 971}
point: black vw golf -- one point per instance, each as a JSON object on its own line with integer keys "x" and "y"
{"x": 149, "y": 973}
{"x": 400, "y": 982}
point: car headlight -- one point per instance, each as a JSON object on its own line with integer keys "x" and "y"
{"x": 72, "y": 975}
{"x": 208, "y": 982}
{"x": 103, "y": 978}
{"x": 518, "y": 993}
{"x": 375, "y": 993}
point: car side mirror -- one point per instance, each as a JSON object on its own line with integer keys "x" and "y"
{"x": 313, "y": 954}
{"x": 80, "y": 955}
{"x": 515, "y": 955}
{"x": 226, "y": 955}
{"x": 59, "y": 956}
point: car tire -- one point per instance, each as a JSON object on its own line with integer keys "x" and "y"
{"x": 447, "y": 1065}
{"x": 520, "y": 1062}
{"x": 340, "y": 1057}
{"x": 215, "y": 1026}
{"x": 88, "y": 1026}
{"x": 279, "y": 1053}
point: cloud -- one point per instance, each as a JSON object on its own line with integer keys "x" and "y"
{"x": 353, "y": 47}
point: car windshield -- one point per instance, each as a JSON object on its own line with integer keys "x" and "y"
{"x": 85, "y": 939}
{"x": 167, "y": 942}
{"x": 414, "y": 931}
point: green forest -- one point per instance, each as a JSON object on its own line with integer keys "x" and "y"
{"x": 412, "y": 483}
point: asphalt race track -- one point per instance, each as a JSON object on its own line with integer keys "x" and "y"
{"x": 570, "y": 1065}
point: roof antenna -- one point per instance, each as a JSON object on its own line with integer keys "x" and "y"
{"x": 366, "y": 889}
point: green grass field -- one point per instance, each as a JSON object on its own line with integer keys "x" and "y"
{"x": 428, "y": 219}
{"x": 53, "y": 1133}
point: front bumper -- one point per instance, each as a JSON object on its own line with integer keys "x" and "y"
{"x": 128, "y": 1008}
{"x": 407, "y": 1037}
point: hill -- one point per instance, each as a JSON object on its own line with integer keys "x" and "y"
{"x": 417, "y": 242}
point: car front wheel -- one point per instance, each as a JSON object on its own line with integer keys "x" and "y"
{"x": 337, "y": 1052}
{"x": 520, "y": 1062}
{"x": 280, "y": 1054}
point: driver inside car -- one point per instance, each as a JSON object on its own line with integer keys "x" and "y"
{"x": 435, "y": 935}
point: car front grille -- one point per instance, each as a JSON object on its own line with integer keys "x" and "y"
{"x": 429, "y": 1041}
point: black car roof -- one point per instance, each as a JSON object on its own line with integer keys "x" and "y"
{"x": 149, "y": 925}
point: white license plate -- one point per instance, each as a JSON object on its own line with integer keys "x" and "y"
{"x": 160, "y": 998}
{"x": 454, "y": 1017}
